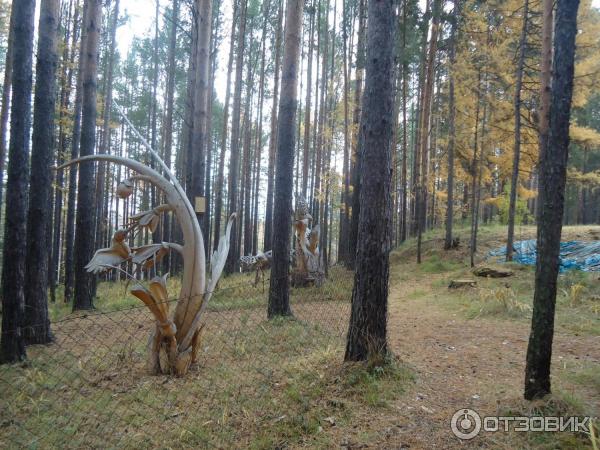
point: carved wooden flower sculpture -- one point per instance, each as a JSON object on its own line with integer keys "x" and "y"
{"x": 174, "y": 342}
{"x": 149, "y": 219}
{"x": 125, "y": 188}
{"x": 109, "y": 258}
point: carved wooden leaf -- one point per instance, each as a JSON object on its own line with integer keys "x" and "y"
{"x": 105, "y": 259}
{"x": 144, "y": 295}
{"x": 158, "y": 288}
{"x": 148, "y": 255}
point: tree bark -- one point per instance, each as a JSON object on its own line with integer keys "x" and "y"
{"x": 553, "y": 166}
{"x": 267, "y": 245}
{"x": 355, "y": 166}
{"x": 367, "y": 333}
{"x": 66, "y": 81}
{"x": 306, "y": 146}
{"x": 6, "y": 94}
{"x": 545, "y": 85}
{"x": 514, "y": 182}
{"x": 245, "y": 201}
{"x": 73, "y": 172}
{"x": 474, "y": 171}
{"x": 170, "y": 105}
{"x": 85, "y": 220}
{"x": 15, "y": 249}
{"x": 221, "y": 169}
{"x": 259, "y": 133}
{"x": 345, "y": 194}
{"x": 37, "y": 322}
{"x": 425, "y": 127}
{"x": 233, "y": 257}
{"x": 404, "y": 177}
{"x": 451, "y": 127}
{"x": 104, "y": 147}
{"x": 200, "y": 133}
{"x": 279, "y": 301}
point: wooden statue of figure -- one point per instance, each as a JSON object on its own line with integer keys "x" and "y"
{"x": 308, "y": 270}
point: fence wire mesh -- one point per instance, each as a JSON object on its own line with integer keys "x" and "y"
{"x": 90, "y": 388}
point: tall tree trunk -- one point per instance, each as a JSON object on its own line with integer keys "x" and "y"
{"x": 404, "y": 178}
{"x": 200, "y": 133}
{"x": 416, "y": 163}
{"x": 221, "y": 170}
{"x": 15, "y": 248}
{"x": 65, "y": 100}
{"x": 101, "y": 213}
{"x": 104, "y": 147}
{"x": 279, "y": 292}
{"x": 267, "y": 245}
{"x": 188, "y": 123}
{"x": 208, "y": 179}
{"x": 305, "y": 161}
{"x": 451, "y": 127}
{"x": 73, "y": 172}
{"x": 553, "y": 167}
{"x": 245, "y": 221}
{"x": 85, "y": 221}
{"x": 170, "y": 105}
{"x": 259, "y": 133}
{"x": 514, "y": 182}
{"x": 425, "y": 127}
{"x": 233, "y": 257}
{"x": 318, "y": 192}
{"x": 545, "y": 86}
{"x": 367, "y": 333}
{"x": 477, "y": 186}
{"x": 345, "y": 195}
{"x": 6, "y": 94}
{"x": 356, "y": 167}
{"x": 37, "y": 322}
{"x": 475, "y": 172}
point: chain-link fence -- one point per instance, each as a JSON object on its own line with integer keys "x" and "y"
{"x": 90, "y": 388}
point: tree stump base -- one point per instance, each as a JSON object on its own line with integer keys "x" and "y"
{"x": 456, "y": 284}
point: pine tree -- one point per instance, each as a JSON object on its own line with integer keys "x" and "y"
{"x": 15, "y": 249}
{"x": 279, "y": 303}
{"x": 39, "y": 218}
{"x": 85, "y": 219}
{"x": 553, "y": 167}
{"x": 367, "y": 333}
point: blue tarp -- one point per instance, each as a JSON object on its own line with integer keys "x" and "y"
{"x": 580, "y": 255}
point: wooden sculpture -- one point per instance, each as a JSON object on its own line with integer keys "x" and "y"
{"x": 308, "y": 269}
{"x": 257, "y": 263}
{"x": 174, "y": 342}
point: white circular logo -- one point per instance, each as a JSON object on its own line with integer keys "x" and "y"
{"x": 465, "y": 424}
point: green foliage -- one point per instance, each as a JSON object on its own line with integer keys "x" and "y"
{"x": 522, "y": 213}
{"x": 435, "y": 264}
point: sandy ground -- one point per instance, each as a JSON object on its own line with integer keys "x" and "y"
{"x": 458, "y": 363}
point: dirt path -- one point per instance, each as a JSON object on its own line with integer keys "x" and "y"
{"x": 461, "y": 363}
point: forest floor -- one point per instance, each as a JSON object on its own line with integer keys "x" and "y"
{"x": 467, "y": 348}
{"x": 282, "y": 384}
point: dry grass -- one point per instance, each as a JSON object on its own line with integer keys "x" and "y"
{"x": 257, "y": 384}
{"x": 276, "y": 384}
